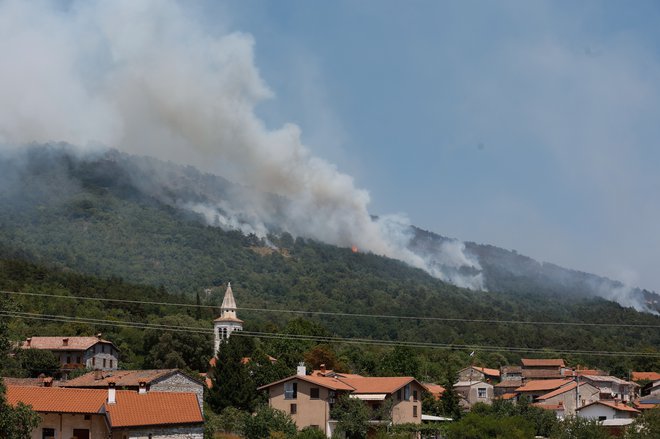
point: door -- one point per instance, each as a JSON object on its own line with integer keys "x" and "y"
{"x": 79, "y": 433}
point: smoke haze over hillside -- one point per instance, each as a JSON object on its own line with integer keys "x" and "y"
{"x": 144, "y": 77}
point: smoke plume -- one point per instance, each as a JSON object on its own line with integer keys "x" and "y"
{"x": 146, "y": 78}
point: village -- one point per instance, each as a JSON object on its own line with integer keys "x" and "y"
{"x": 107, "y": 402}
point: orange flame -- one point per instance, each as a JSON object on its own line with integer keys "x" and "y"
{"x": 354, "y": 249}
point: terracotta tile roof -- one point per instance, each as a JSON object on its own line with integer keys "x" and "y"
{"x": 643, "y": 405}
{"x": 327, "y": 382}
{"x": 57, "y": 343}
{"x": 539, "y": 385}
{"x": 531, "y": 374}
{"x": 541, "y": 362}
{"x": 616, "y": 405}
{"x": 589, "y": 372}
{"x": 34, "y": 382}
{"x": 509, "y": 383}
{"x": 645, "y": 376}
{"x": 377, "y": 384}
{"x": 554, "y": 407}
{"x": 511, "y": 369}
{"x": 131, "y": 408}
{"x": 487, "y": 371}
{"x": 608, "y": 379}
{"x": 153, "y": 408}
{"x": 58, "y": 399}
{"x": 121, "y": 378}
{"x": 509, "y": 395}
{"x": 568, "y": 387}
{"x": 434, "y": 389}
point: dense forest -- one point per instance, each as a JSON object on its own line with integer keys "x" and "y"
{"x": 84, "y": 228}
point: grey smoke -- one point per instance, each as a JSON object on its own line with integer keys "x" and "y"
{"x": 146, "y": 78}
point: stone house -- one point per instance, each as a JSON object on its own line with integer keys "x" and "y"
{"x": 156, "y": 380}
{"x": 110, "y": 413}
{"x": 544, "y": 369}
{"x": 78, "y": 352}
{"x": 472, "y": 392}
{"x": 612, "y": 387}
{"x": 536, "y": 388}
{"x": 478, "y": 373}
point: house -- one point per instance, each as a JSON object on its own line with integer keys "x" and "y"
{"x": 158, "y": 380}
{"x": 308, "y": 399}
{"x": 647, "y": 403}
{"x": 436, "y": 390}
{"x": 612, "y": 387}
{"x": 544, "y": 369}
{"x": 472, "y": 392}
{"x": 511, "y": 373}
{"x": 613, "y": 414}
{"x": 478, "y": 373}
{"x": 506, "y": 387}
{"x": 644, "y": 376}
{"x": 110, "y": 413}
{"x": 534, "y": 389}
{"x": 78, "y": 352}
{"x": 568, "y": 398}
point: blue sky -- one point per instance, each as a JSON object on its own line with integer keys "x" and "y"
{"x": 529, "y": 125}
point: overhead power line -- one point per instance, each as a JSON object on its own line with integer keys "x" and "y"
{"x": 327, "y": 339}
{"x": 345, "y": 314}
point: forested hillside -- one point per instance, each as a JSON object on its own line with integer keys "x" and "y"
{"x": 88, "y": 216}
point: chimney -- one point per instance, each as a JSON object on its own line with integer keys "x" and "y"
{"x": 143, "y": 388}
{"x": 65, "y": 342}
{"x": 99, "y": 335}
{"x": 48, "y": 382}
{"x": 112, "y": 393}
{"x": 301, "y": 370}
{"x": 28, "y": 342}
{"x": 323, "y": 369}
{"x": 98, "y": 375}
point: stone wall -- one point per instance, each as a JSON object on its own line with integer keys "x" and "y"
{"x": 190, "y": 432}
{"x": 180, "y": 383}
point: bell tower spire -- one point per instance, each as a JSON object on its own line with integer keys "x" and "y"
{"x": 228, "y": 321}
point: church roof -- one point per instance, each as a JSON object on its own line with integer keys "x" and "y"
{"x": 228, "y": 302}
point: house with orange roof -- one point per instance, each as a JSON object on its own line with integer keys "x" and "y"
{"x": 110, "y": 413}
{"x": 78, "y": 352}
{"x": 478, "y": 373}
{"x": 647, "y": 403}
{"x": 534, "y": 389}
{"x": 436, "y": 390}
{"x": 614, "y": 415}
{"x": 644, "y": 376}
{"x": 544, "y": 369}
{"x": 155, "y": 380}
{"x": 569, "y": 397}
{"x": 308, "y": 399}
{"x": 506, "y": 387}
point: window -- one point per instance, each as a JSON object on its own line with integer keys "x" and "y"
{"x": 406, "y": 392}
{"x": 103, "y": 348}
{"x": 414, "y": 395}
{"x": 398, "y": 395}
{"x": 110, "y": 364}
{"x": 79, "y": 360}
{"x": 68, "y": 359}
{"x": 93, "y": 361}
{"x": 294, "y": 409}
{"x": 104, "y": 362}
{"x": 314, "y": 393}
{"x": 602, "y": 418}
{"x": 48, "y": 433}
{"x": 88, "y": 417}
{"x": 481, "y": 392}
{"x": 290, "y": 390}
{"x": 315, "y": 426}
{"x": 414, "y": 411}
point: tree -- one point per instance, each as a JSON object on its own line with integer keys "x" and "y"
{"x": 269, "y": 422}
{"x": 233, "y": 385}
{"x": 311, "y": 433}
{"x": 19, "y": 421}
{"x": 475, "y": 426}
{"x": 35, "y": 362}
{"x": 646, "y": 426}
{"x": 450, "y": 399}
{"x": 352, "y": 417}
{"x": 575, "y": 427}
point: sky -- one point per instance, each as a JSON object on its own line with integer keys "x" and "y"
{"x": 528, "y": 125}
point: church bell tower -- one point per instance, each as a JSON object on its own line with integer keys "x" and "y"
{"x": 228, "y": 322}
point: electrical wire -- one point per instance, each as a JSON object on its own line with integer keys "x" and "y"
{"x": 332, "y": 339}
{"x": 344, "y": 314}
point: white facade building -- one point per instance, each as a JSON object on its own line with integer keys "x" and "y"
{"x": 228, "y": 322}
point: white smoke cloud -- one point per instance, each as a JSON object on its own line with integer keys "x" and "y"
{"x": 146, "y": 78}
